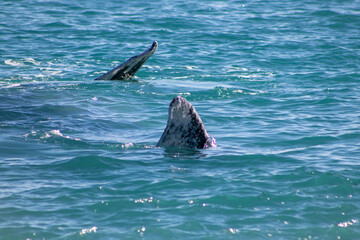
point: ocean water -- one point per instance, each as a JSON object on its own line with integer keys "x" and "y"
{"x": 275, "y": 82}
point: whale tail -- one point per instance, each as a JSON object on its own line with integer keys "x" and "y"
{"x": 127, "y": 70}
{"x": 184, "y": 127}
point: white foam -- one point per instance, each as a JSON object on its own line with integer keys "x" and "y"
{"x": 88, "y": 230}
{"x": 191, "y": 67}
{"x": 14, "y": 63}
{"x": 238, "y": 91}
{"x": 11, "y": 85}
{"x": 17, "y": 63}
{"x": 127, "y": 145}
{"x": 31, "y": 60}
{"x": 56, "y": 133}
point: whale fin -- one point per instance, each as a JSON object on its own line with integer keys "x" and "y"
{"x": 127, "y": 70}
{"x": 184, "y": 127}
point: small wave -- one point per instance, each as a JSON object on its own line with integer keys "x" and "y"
{"x": 59, "y": 134}
{"x": 157, "y": 67}
{"x": 11, "y": 85}
{"x": 348, "y": 223}
{"x": 14, "y": 63}
{"x": 56, "y": 25}
{"x": 50, "y": 136}
{"x": 119, "y": 145}
{"x": 85, "y": 162}
{"x": 245, "y": 73}
{"x": 57, "y": 137}
{"x": 220, "y": 93}
{"x": 21, "y": 62}
{"x": 88, "y": 230}
{"x": 191, "y": 67}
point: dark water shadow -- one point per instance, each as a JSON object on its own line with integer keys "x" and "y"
{"x": 183, "y": 153}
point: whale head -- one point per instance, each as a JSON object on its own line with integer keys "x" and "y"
{"x": 184, "y": 127}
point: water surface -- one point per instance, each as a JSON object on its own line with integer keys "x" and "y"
{"x": 276, "y": 83}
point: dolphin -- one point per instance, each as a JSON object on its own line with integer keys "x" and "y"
{"x": 184, "y": 127}
{"x": 127, "y": 70}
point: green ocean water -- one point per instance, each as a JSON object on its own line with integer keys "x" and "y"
{"x": 275, "y": 82}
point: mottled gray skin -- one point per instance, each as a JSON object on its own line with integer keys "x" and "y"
{"x": 184, "y": 127}
{"x": 127, "y": 70}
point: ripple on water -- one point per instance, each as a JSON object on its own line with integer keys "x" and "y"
{"x": 276, "y": 83}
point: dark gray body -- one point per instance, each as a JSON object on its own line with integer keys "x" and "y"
{"x": 184, "y": 127}
{"x": 127, "y": 70}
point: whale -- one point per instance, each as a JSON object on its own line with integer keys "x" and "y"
{"x": 129, "y": 68}
{"x": 184, "y": 127}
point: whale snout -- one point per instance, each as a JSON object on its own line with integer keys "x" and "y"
{"x": 184, "y": 127}
{"x": 176, "y": 100}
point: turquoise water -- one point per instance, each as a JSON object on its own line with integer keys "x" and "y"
{"x": 275, "y": 82}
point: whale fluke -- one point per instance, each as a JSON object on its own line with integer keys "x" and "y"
{"x": 127, "y": 70}
{"x": 184, "y": 127}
